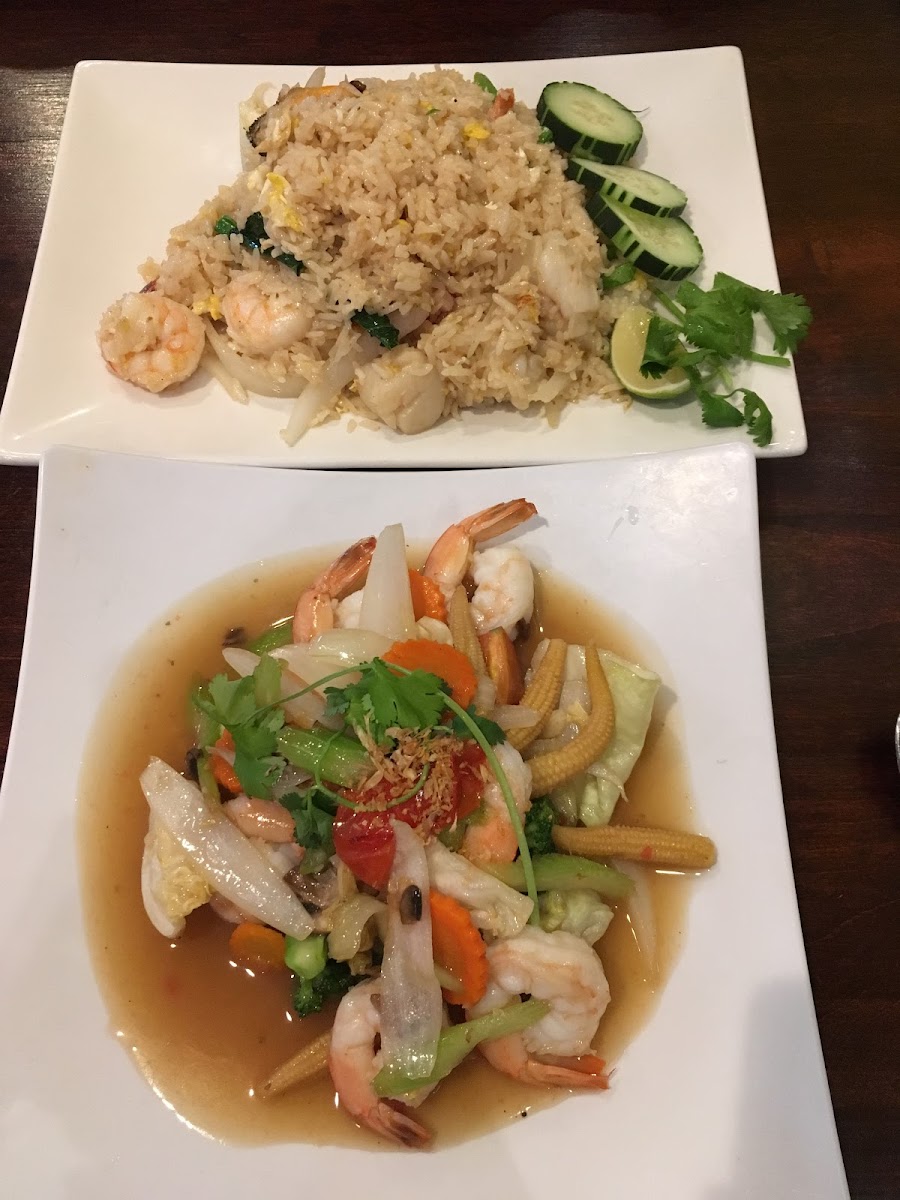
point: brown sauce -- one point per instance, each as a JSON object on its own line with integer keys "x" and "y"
{"x": 203, "y": 1031}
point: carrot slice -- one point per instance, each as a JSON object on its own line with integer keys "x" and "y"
{"x": 446, "y": 662}
{"x": 427, "y": 598}
{"x": 257, "y": 946}
{"x": 223, "y": 771}
{"x": 458, "y": 948}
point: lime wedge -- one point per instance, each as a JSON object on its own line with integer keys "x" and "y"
{"x": 626, "y": 351}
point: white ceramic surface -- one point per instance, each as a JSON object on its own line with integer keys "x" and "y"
{"x": 721, "y": 1097}
{"x": 145, "y": 143}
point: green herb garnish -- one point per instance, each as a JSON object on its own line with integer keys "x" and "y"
{"x": 546, "y": 135}
{"x": 622, "y": 272}
{"x": 709, "y": 332}
{"x": 484, "y": 83}
{"x": 226, "y": 225}
{"x": 378, "y": 326}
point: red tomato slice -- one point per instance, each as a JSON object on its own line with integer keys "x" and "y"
{"x": 364, "y": 840}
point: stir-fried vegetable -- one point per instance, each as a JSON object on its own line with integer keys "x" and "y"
{"x": 560, "y": 872}
{"x": 350, "y": 783}
{"x": 410, "y": 995}
{"x": 221, "y": 853}
{"x": 457, "y": 1041}
{"x": 659, "y": 847}
{"x": 458, "y": 949}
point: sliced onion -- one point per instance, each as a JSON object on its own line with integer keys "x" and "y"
{"x": 252, "y": 375}
{"x": 305, "y": 710}
{"x": 405, "y": 323}
{"x": 350, "y": 646}
{"x": 411, "y": 1008}
{"x": 315, "y": 667}
{"x": 349, "y": 925}
{"x": 514, "y": 716}
{"x": 316, "y": 79}
{"x": 221, "y": 853}
{"x": 387, "y": 605}
{"x": 216, "y": 368}
{"x": 325, "y": 390}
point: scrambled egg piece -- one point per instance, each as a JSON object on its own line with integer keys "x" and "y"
{"x": 209, "y": 305}
{"x": 476, "y": 131}
{"x": 276, "y": 194}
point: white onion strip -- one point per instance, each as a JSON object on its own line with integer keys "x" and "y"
{"x": 305, "y": 710}
{"x": 322, "y": 393}
{"x": 514, "y": 716}
{"x": 387, "y": 605}
{"x": 251, "y": 375}
{"x": 411, "y": 1008}
{"x": 221, "y": 853}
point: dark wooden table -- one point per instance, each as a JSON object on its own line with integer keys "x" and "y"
{"x": 823, "y": 85}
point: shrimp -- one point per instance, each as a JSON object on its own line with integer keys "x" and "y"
{"x": 451, "y": 555}
{"x": 504, "y": 589}
{"x": 563, "y": 970}
{"x": 494, "y": 839}
{"x": 354, "y": 1062}
{"x": 261, "y": 320}
{"x": 151, "y": 341}
{"x": 314, "y": 613}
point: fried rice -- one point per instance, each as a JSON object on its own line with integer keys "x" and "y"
{"x": 419, "y": 199}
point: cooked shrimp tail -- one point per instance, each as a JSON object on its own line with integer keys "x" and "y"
{"x": 354, "y": 1062}
{"x": 314, "y": 613}
{"x": 451, "y": 554}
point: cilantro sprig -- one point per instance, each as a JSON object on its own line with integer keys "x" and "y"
{"x": 234, "y": 704}
{"x": 709, "y": 331}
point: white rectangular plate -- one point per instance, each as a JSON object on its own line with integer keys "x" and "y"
{"x": 722, "y": 1094}
{"x": 144, "y": 144}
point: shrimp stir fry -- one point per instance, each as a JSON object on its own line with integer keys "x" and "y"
{"x": 398, "y": 848}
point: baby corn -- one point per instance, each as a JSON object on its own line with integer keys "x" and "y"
{"x": 462, "y": 630}
{"x": 555, "y": 767}
{"x": 542, "y": 694}
{"x": 655, "y": 847}
{"x": 312, "y": 1060}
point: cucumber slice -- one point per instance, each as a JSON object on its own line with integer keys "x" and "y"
{"x": 589, "y": 123}
{"x": 642, "y": 190}
{"x": 664, "y": 247}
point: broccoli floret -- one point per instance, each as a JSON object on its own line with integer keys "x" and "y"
{"x": 311, "y": 994}
{"x": 539, "y": 823}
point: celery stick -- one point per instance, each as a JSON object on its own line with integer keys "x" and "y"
{"x": 328, "y": 756}
{"x": 561, "y": 873}
{"x": 276, "y": 635}
{"x": 456, "y": 1041}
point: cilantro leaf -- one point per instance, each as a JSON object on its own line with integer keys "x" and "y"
{"x": 492, "y": 732}
{"x": 757, "y": 417}
{"x": 717, "y": 412}
{"x": 381, "y": 700}
{"x": 313, "y": 812}
{"x": 622, "y": 272}
{"x": 230, "y": 701}
{"x": 788, "y": 316}
{"x": 484, "y": 83}
{"x": 378, "y": 325}
{"x": 718, "y": 320}
{"x": 660, "y": 350}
